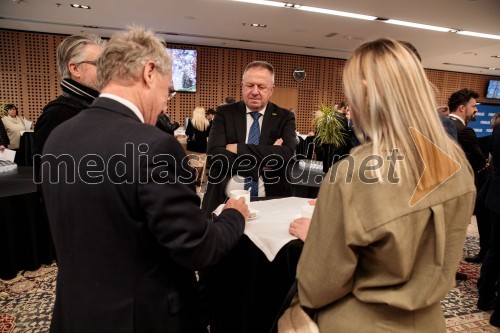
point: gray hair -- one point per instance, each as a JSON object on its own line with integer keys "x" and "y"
{"x": 72, "y": 49}
{"x": 126, "y": 53}
{"x": 261, "y": 64}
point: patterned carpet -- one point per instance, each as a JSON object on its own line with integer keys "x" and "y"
{"x": 26, "y": 301}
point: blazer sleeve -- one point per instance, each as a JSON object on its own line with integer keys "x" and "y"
{"x": 173, "y": 210}
{"x": 468, "y": 139}
{"x": 326, "y": 266}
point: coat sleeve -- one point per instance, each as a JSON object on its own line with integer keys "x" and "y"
{"x": 327, "y": 264}
{"x": 173, "y": 211}
{"x": 468, "y": 140}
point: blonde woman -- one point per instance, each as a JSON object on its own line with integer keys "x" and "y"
{"x": 383, "y": 247}
{"x": 197, "y": 131}
{"x": 14, "y": 124}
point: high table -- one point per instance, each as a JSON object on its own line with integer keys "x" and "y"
{"x": 245, "y": 290}
{"x": 25, "y": 241}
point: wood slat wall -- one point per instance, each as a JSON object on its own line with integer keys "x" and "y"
{"x": 29, "y": 78}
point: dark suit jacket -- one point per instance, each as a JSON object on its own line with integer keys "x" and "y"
{"x": 230, "y": 126}
{"x": 493, "y": 191}
{"x": 128, "y": 241}
{"x": 4, "y": 138}
{"x": 467, "y": 139}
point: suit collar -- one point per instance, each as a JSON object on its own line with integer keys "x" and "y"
{"x": 127, "y": 103}
{"x": 114, "y": 106}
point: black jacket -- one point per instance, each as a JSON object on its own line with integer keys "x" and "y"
{"x": 128, "y": 243}
{"x": 165, "y": 124}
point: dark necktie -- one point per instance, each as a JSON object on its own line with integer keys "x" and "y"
{"x": 253, "y": 139}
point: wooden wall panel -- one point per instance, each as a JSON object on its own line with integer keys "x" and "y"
{"x": 29, "y": 77}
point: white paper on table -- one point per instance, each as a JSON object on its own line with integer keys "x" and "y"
{"x": 7, "y": 155}
{"x": 27, "y": 123}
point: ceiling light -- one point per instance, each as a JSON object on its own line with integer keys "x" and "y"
{"x": 258, "y": 25}
{"x": 264, "y": 2}
{"x": 75, "y": 5}
{"x": 336, "y": 13}
{"x": 418, "y": 25}
{"x": 471, "y": 66}
{"x": 309, "y": 9}
{"x": 478, "y": 34}
{"x": 496, "y": 56}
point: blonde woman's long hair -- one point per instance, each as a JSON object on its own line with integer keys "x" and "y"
{"x": 199, "y": 120}
{"x": 389, "y": 93}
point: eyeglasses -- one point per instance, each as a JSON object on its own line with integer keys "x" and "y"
{"x": 87, "y": 62}
{"x": 171, "y": 95}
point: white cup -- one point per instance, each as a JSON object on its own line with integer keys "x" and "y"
{"x": 236, "y": 194}
{"x": 307, "y": 211}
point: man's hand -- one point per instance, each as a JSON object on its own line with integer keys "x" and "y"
{"x": 232, "y": 147}
{"x": 299, "y": 228}
{"x": 278, "y": 142}
{"x": 239, "y": 205}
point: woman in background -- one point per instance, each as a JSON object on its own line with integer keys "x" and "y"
{"x": 14, "y": 124}
{"x": 197, "y": 131}
{"x": 384, "y": 244}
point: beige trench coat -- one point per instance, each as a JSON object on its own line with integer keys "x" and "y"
{"x": 372, "y": 263}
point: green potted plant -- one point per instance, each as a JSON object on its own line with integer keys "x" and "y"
{"x": 330, "y": 132}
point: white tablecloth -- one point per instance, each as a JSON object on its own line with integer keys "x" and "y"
{"x": 269, "y": 230}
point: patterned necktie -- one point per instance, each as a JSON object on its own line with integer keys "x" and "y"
{"x": 253, "y": 139}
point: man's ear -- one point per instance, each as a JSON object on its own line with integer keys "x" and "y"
{"x": 148, "y": 72}
{"x": 74, "y": 70}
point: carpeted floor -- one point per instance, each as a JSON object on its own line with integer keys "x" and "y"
{"x": 26, "y": 301}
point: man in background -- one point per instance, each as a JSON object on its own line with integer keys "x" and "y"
{"x": 128, "y": 230}
{"x": 463, "y": 106}
{"x": 76, "y": 61}
{"x": 250, "y": 142}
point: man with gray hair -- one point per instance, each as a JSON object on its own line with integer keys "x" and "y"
{"x": 124, "y": 212}
{"x": 251, "y": 142}
{"x": 76, "y": 61}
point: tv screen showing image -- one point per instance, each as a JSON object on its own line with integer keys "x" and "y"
{"x": 184, "y": 69}
{"x": 493, "y": 90}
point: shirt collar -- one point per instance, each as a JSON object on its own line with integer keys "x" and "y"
{"x": 260, "y": 111}
{"x": 125, "y": 102}
{"x": 452, "y": 115}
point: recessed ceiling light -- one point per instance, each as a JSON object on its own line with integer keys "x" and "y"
{"x": 75, "y": 5}
{"x": 496, "y": 56}
{"x": 418, "y": 25}
{"x": 478, "y": 34}
{"x": 257, "y": 25}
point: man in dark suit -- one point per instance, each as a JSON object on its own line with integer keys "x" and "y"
{"x": 76, "y": 61}
{"x": 250, "y": 142}
{"x": 462, "y": 106}
{"x": 124, "y": 213}
{"x": 488, "y": 283}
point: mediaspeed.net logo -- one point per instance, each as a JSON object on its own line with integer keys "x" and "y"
{"x": 431, "y": 179}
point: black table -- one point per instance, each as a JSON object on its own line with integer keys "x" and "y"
{"x": 25, "y": 241}
{"x": 246, "y": 291}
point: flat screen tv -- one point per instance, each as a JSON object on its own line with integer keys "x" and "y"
{"x": 183, "y": 69}
{"x": 493, "y": 90}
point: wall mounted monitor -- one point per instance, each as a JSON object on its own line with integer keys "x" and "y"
{"x": 184, "y": 69}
